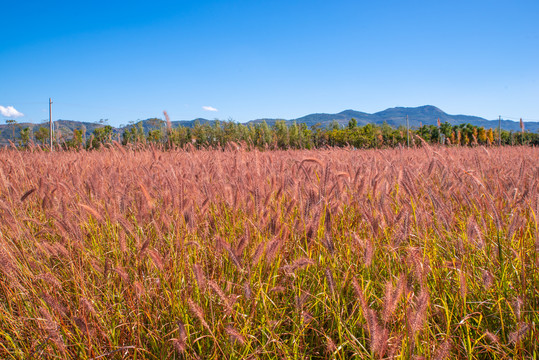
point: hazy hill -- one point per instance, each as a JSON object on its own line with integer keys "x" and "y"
{"x": 62, "y": 128}
{"x": 426, "y": 115}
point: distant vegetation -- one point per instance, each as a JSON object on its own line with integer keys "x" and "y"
{"x": 281, "y": 135}
{"x": 347, "y": 128}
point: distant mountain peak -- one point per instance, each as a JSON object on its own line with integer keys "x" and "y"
{"x": 352, "y": 112}
{"x": 423, "y": 108}
{"x": 430, "y": 107}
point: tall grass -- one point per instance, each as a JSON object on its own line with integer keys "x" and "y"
{"x": 424, "y": 253}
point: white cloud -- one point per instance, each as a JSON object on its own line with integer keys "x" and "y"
{"x": 209, "y": 108}
{"x": 10, "y": 111}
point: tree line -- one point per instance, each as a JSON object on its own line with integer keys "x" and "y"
{"x": 218, "y": 134}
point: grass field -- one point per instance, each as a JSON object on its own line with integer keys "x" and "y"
{"x": 422, "y": 253}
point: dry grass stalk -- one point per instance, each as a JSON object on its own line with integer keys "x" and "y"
{"x": 443, "y": 350}
{"x": 27, "y": 194}
{"x": 139, "y": 289}
{"x": 492, "y": 337}
{"x": 122, "y": 274}
{"x": 88, "y": 306}
{"x": 462, "y": 282}
{"x": 297, "y": 264}
{"x": 369, "y": 252}
{"x": 247, "y": 292}
{"x": 257, "y": 254}
{"x": 392, "y": 296}
{"x": 179, "y": 346}
{"x": 197, "y": 311}
{"x": 519, "y": 334}
{"x": 272, "y": 249}
{"x": 395, "y": 346}
{"x": 51, "y": 328}
{"x": 233, "y": 257}
{"x": 235, "y": 336}
{"x": 180, "y": 343}
{"x": 156, "y": 259}
{"x": 199, "y": 276}
{"x": 149, "y": 200}
{"x": 51, "y": 280}
{"x": 420, "y": 265}
{"x": 328, "y": 244}
{"x": 331, "y": 347}
{"x": 379, "y": 335}
{"x": 278, "y": 289}
{"x": 331, "y": 282}
{"x": 54, "y": 304}
{"x": 92, "y": 211}
{"x": 488, "y": 279}
{"x": 306, "y": 317}
{"x": 517, "y": 304}
{"x": 417, "y": 317}
{"x": 225, "y": 300}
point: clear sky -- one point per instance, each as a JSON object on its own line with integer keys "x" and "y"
{"x": 130, "y": 60}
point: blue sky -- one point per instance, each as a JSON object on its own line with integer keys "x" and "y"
{"x": 130, "y": 60}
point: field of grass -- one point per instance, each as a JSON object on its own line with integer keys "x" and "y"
{"x": 119, "y": 254}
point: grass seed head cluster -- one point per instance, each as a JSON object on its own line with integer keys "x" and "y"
{"x": 422, "y": 253}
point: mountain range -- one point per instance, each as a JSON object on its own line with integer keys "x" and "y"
{"x": 417, "y": 116}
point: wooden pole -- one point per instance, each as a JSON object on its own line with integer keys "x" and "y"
{"x": 500, "y": 130}
{"x": 50, "y": 123}
{"x": 407, "y": 132}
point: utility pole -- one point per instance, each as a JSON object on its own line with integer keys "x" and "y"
{"x": 407, "y": 132}
{"x": 50, "y": 121}
{"x": 500, "y": 130}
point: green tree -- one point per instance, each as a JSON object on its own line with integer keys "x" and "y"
{"x": 133, "y": 134}
{"x": 334, "y": 125}
{"x": 155, "y": 136}
{"x": 101, "y": 136}
{"x": 25, "y": 136}
{"x": 424, "y": 132}
{"x": 368, "y": 132}
{"x": 294, "y": 136}
{"x": 202, "y": 134}
{"x": 180, "y": 136}
{"x": 446, "y": 129}
{"x": 13, "y": 124}
{"x": 319, "y": 136}
{"x": 76, "y": 141}
{"x": 264, "y": 134}
{"x": 281, "y": 133}
{"x": 42, "y": 135}
{"x": 305, "y": 136}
